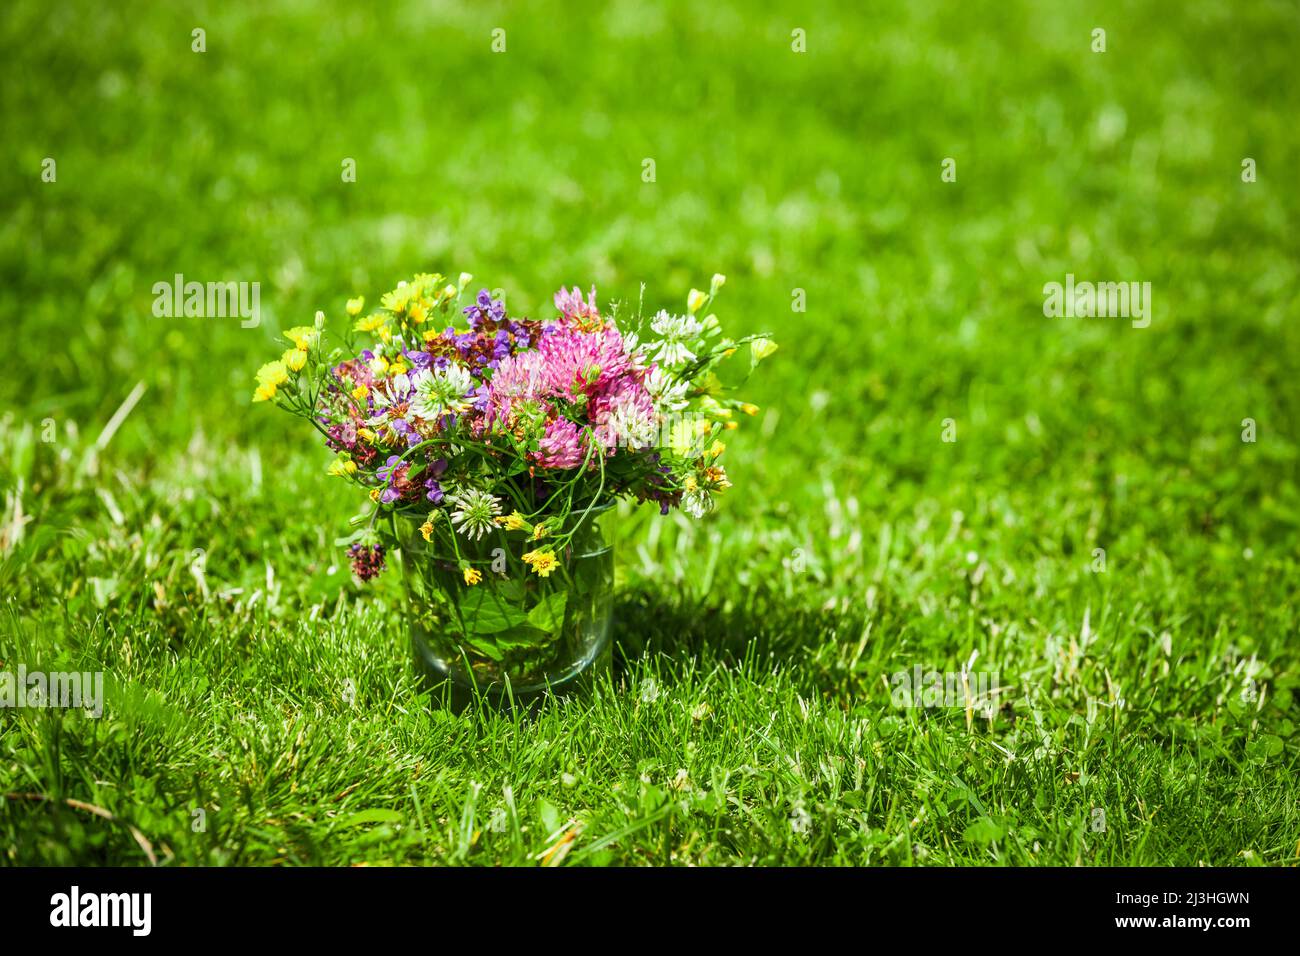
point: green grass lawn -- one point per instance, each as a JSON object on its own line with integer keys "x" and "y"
{"x": 938, "y": 469}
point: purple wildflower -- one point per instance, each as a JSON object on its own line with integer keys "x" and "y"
{"x": 367, "y": 560}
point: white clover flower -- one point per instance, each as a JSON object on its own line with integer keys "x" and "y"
{"x": 628, "y": 426}
{"x": 632, "y": 348}
{"x": 669, "y": 394}
{"x": 676, "y": 332}
{"x": 440, "y": 392}
{"x": 474, "y": 512}
{"x": 697, "y": 503}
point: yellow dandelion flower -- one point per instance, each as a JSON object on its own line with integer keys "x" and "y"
{"x": 419, "y": 313}
{"x": 397, "y": 368}
{"x": 716, "y": 449}
{"x": 366, "y": 434}
{"x": 264, "y": 393}
{"x": 426, "y": 529}
{"x": 472, "y": 576}
{"x": 398, "y": 300}
{"x": 514, "y": 522}
{"x": 359, "y": 393}
{"x": 370, "y": 322}
{"x": 374, "y": 494}
{"x": 355, "y": 306}
{"x": 749, "y": 409}
{"x": 302, "y": 336}
{"x": 294, "y": 359}
{"x": 690, "y": 483}
{"x": 731, "y": 426}
{"x": 542, "y": 562}
{"x": 272, "y": 373}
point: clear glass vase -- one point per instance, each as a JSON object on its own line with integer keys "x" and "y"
{"x": 514, "y": 635}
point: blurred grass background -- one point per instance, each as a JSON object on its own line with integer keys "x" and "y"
{"x": 856, "y": 543}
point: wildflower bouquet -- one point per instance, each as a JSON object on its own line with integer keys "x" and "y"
{"x": 489, "y": 447}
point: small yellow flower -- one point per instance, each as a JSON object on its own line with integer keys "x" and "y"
{"x": 418, "y": 313}
{"x": 302, "y": 336}
{"x": 513, "y": 522}
{"x": 717, "y": 477}
{"x": 355, "y": 306}
{"x": 426, "y": 529}
{"x": 731, "y": 426}
{"x": 272, "y": 373}
{"x": 371, "y": 322}
{"x": 749, "y": 409}
{"x": 264, "y": 393}
{"x": 366, "y": 434}
{"x": 398, "y": 300}
{"x": 359, "y": 393}
{"x": 343, "y": 466}
{"x": 374, "y": 494}
{"x": 690, "y": 483}
{"x": 761, "y": 348}
{"x": 294, "y": 359}
{"x": 716, "y": 449}
{"x": 695, "y": 301}
{"x": 542, "y": 562}
{"x": 379, "y": 366}
{"x": 540, "y": 531}
{"x": 472, "y": 576}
